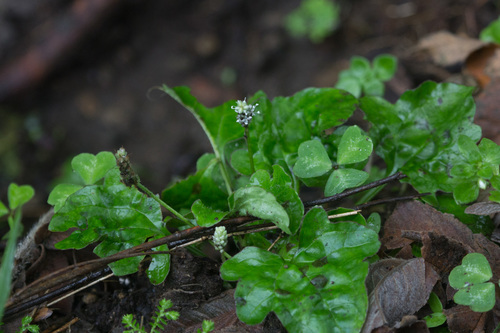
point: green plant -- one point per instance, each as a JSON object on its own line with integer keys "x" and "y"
{"x": 315, "y": 19}
{"x": 27, "y": 326}
{"x": 364, "y": 79}
{"x": 471, "y": 279}
{"x": 491, "y": 33}
{"x": 206, "y": 326}
{"x": 17, "y": 197}
{"x": 264, "y": 152}
{"x": 159, "y": 319}
{"x": 437, "y": 318}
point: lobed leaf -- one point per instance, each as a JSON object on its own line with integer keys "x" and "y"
{"x": 313, "y": 160}
{"x": 319, "y": 288}
{"x": 93, "y": 167}
{"x": 419, "y": 134}
{"x": 118, "y": 216}
{"x": 354, "y": 146}
{"x": 19, "y": 195}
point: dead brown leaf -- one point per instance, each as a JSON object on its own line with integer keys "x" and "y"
{"x": 462, "y": 319}
{"x": 487, "y": 113}
{"x": 400, "y": 293}
{"x": 447, "y": 49}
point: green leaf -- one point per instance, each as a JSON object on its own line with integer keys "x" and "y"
{"x": 219, "y": 123}
{"x": 3, "y": 209}
{"x": 435, "y": 319}
{"x": 160, "y": 265}
{"x": 360, "y": 66}
{"x": 198, "y": 186}
{"x": 490, "y": 152}
{"x": 350, "y": 84}
{"x": 435, "y": 303}
{"x": 384, "y": 66}
{"x": 466, "y": 192}
{"x": 354, "y": 146}
{"x": 469, "y": 149}
{"x": 118, "y": 216}
{"x": 313, "y": 160}
{"x": 491, "y": 33}
{"x": 373, "y": 87}
{"x": 206, "y": 216}
{"x": 494, "y": 196}
{"x": 60, "y": 193}
{"x": 342, "y": 179}
{"x": 320, "y": 289}
{"x": 8, "y": 260}
{"x": 256, "y": 201}
{"x": 419, "y": 134}
{"x": 93, "y": 167}
{"x": 19, "y": 195}
{"x": 374, "y": 222}
{"x": 306, "y": 114}
{"x": 470, "y": 278}
{"x": 241, "y": 162}
{"x": 281, "y": 187}
{"x": 314, "y": 18}
{"x": 495, "y": 182}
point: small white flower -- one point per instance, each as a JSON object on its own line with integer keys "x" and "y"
{"x": 482, "y": 184}
{"x": 220, "y": 238}
{"x": 245, "y": 112}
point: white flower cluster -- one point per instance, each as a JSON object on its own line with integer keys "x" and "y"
{"x": 245, "y": 112}
{"x": 220, "y": 238}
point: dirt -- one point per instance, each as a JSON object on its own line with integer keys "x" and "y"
{"x": 97, "y": 93}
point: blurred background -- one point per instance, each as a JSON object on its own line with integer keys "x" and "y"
{"x": 80, "y": 75}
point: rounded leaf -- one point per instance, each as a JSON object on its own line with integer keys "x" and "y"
{"x": 480, "y": 298}
{"x": 343, "y": 179}
{"x": 313, "y": 160}
{"x": 354, "y": 146}
{"x": 19, "y": 195}
{"x": 60, "y": 193}
{"x": 474, "y": 269}
{"x": 385, "y": 66}
{"x": 93, "y": 167}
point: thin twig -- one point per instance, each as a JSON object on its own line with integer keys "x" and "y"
{"x": 275, "y": 241}
{"x": 344, "y": 214}
{"x": 80, "y": 289}
{"x": 355, "y": 190}
{"x": 389, "y": 200}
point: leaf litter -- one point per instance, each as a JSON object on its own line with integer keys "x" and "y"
{"x": 401, "y": 287}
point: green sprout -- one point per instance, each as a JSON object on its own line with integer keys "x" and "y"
{"x": 363, "y": 78}
{"x": 316, "y": 19}
{"x": 471, "y": 278}
{"x": 159, "y": 319}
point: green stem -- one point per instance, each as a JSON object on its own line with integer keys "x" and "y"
{"x": 249, "y": 146}
{"x": 164, "y": 204}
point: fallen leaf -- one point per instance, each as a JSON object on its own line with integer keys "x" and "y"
{"x": 482, "y": 65}
{"x": 483, "y": 208}
{"x": 462, "y": 319}
{"x": 487, "y": 115}
{"x": 447, "y": 49}
{"x": 399, "y": 294}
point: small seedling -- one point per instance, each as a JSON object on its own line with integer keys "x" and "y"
{"x": 364, "y": 79}
{"x": 17, "y": 197}
{"x": 471, "y": 279}
{"x": 437, "y": 318}
{"x": 159, "y": 319}
{"x": 315, "y": 19}
{"x": 27, "y": 326}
